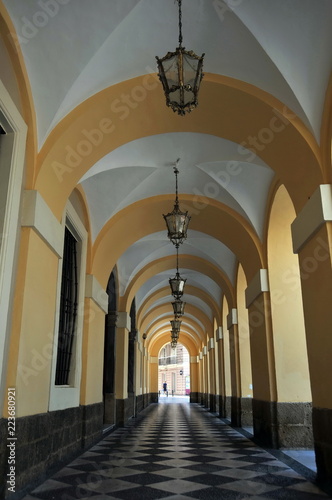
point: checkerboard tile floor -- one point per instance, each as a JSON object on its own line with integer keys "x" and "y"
{"x": 177, "y": 452}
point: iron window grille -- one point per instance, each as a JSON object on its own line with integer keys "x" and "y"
{"x": 68, "y": 310}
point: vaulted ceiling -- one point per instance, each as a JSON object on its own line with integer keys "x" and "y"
{"x": 74, "y": 49}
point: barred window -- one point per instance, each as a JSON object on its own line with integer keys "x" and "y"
{"x": 68, "y": 309}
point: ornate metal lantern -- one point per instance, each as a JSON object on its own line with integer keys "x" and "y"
{"x": 176, "y": 221}
{"x": 178, "y": 308}
{"x": 177, "y": 283}
{"x": 174, "y": 344}
{"x": 181, "y": 73}
{"x": 175, "y": 334}
{"x": 176, "y": 325}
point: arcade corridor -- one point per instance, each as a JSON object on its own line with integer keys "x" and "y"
{"x": 178, "y": 450}
{"x": 128, "y": 230}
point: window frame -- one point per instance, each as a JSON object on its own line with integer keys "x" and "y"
{"x": 16, "y": 130}
{"x": 68, "y": 396}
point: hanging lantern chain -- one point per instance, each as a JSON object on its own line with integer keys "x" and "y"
{"x": 180, "y": 23}
{"x": 177, "y": 259}
{"x": 176, "y": 171}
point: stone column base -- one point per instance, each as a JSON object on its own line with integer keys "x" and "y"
{"x": 246, "y": 412}
{"x": 265, "y": 423}
{"x": 139, "y": 404}
{"x": 322, "y": 428}
{"x": 235, "y": 411}
{"x": 212, "y": 403}
{"x": 295, "y": 425}
{"x": 222, "y": 406}
{"x": 145, "y": 400}
{"x": 109, "y": 408}
{"x": 228, "y": 407}
{"x": 282, "y": 425}
{"x": 154, "y": 397}
{"x": 124, "y": 411}
{"x": 193, "y": 397}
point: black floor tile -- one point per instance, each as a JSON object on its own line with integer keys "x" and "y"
{"x": 131, "y": 463}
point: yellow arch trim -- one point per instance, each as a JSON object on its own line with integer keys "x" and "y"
{"x": 292, "y": 152}
{"x": 188, "y": 330}
{"x": 162, "y": 340}
{"x": 152, "y": 320}
{"x": 185, "y": 262}
{"x": 190, "y": 290}
{"x": 126, "y": 227}
{"x": 9, "y": 34}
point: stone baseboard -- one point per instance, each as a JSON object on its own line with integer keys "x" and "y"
{"x": 109, "y": 408}
{"x": 139, "y": 403}
{"x": 48, "y": 440}
{"x": 294, "y": 422}
{"x": 282, "y": 425}
{"x": 246, "y": 412}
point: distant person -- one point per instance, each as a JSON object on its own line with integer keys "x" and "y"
{"x": 165, "y": 388}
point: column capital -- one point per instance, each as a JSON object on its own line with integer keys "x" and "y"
{"x": 38, "y": 215}
{"x": 314, "y": 214}
{"x": 210, "y": 344}
{"x": 124, "y": 321}
{"x": 94, "y": 291}
{"x": 232, "y": 318}
{"x": 219, "y": 333}
{"x": 258, "y": 285}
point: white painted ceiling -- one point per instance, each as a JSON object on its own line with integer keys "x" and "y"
{"x": 283, "y": 47}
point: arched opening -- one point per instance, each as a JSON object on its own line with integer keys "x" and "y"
{"x": 226, "y": 361}
{"x": 291, "y": 361}
{"x": 131, "y": 358}
{"x": 109, "y": 352}
{"x": 174, "y": 371}
{"x": 244, "y": 349}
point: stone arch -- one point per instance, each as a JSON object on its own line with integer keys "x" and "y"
{"x": 60, "y": 168}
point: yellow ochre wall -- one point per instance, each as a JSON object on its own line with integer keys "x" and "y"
{"x": 39, "y": 289}
{"x": 289, "y": 340}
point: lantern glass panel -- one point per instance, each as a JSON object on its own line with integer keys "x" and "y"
{"x": 178, "y": 307}
{"x": 176, "y": 324}
{"x": 177, "y": 286}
